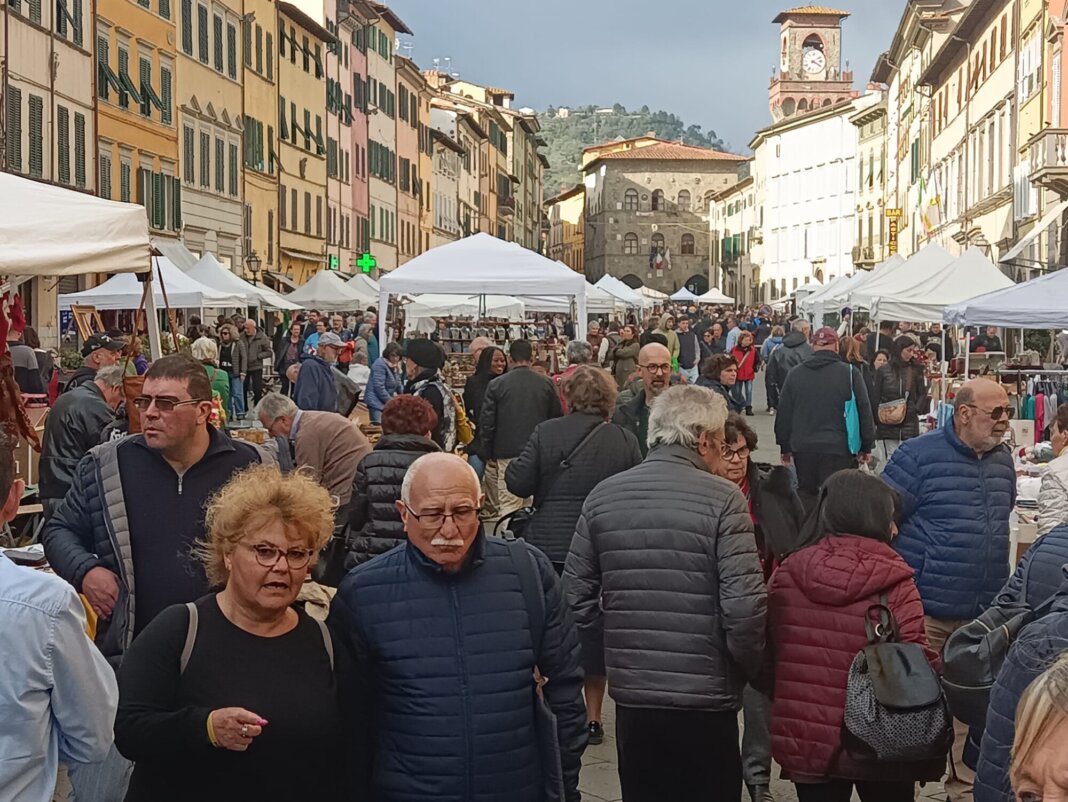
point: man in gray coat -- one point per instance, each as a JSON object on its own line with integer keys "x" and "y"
{"x": 664, "y": 559}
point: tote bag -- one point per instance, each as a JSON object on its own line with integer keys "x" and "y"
{"x": 852, "y": 418}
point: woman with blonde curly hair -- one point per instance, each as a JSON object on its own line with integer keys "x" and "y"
{"x": 232, "y": 697}
{"x": 1039, "y": 758}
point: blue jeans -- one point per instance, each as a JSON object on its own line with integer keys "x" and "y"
{"x": 375, "y": 414}
{"x": 476, "y": 462}
{"x": 237, "y": 397}
{"x": 745, "y": 393}
{"x": 105, "y": 781}
{"x": 691, "y": 374}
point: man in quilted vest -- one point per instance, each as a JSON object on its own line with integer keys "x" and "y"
{"x": 958, "y": 487}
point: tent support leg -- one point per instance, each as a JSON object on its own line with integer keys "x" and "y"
{"x": 155, "y": 348}
{"x": 580, "y": 323}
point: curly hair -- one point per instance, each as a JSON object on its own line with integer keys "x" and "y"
{"x": 590, "y": 390}
{"x": 716, "y": 364}
{"x": 258, "y": 496}
{"x": 737, "y": 426}
{"x": 408, "y": 414}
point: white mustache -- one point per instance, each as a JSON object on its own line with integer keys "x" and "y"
{"x": 444, "y": 541}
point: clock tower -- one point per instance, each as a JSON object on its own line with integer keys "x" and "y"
{"x": 810, "y": 72}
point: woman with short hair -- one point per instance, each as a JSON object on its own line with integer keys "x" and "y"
{"x": 719, "y": 374}
{"x": 564, "y": 459}
{"x": 385, "y": 382}
{"x": 901, "y": 390}
{"x": 206, "y": 352}
{"x": 1039, "y": 759}
{"x": 233, "y": 697}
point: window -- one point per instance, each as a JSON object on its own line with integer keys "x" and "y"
{"x": 205, "y": 159}
{"x": 318, "y": 216}
{"x": 657, "y": 242}
{"x": 688, "y": 245}
{"x": 187, "y": 154}
{"x": 294, "y": 212}
{"x": 165, "y": 95}
{"x": 307, "y": 213}
{"x": 202, "y": 33}
{"x": 36, "y": 136}
{"x": 307, "y": 129}
{"x": 630, "y": 244}
{"x": 165, "y": 9}
{"x": 145, "y": 76}
{"x": 79, "y": 150}
{"x": 658, "y": 200}
{"x": 307, "y": 55}
{"x": 63, "y": 143}
{"x": 630, "y": 200}
{"x": 282, "y": 218}
{"x": 233, "y": 170}
{"x": 231, "y": 50}
{"x": 35, "y": 11}
{"x": 104, "y": 180}
{"x": 684, "y": 204}
{"x": 217, "y": 30}
{"x": 259, "y": 49}
{"x": 220, "y": 165}
{"x": 270, "y": 57}
{"x": 125, "y": 173}
{"x": 246, "y": 41}
{"x": 270, "y": 233}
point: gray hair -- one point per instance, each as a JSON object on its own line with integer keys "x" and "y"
{"x": 681, "y": 413}
{"x": 965, "y": 397}
{"x": 111, "y": 376}
{"x": 416, "y": 468}
{"x": 579, "y": 352}
{"x": 275, "y": 405}
{"x": 205, "y": 350}
{"x": 800, "y": 325}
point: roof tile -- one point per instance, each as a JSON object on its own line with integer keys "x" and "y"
{"x": 672, "y": 151}
{"x": 812, "y": 11}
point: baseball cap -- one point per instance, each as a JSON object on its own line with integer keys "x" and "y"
{"x": 330, "y": 339}
{"x": 825, "y": 336}
{"x": 97, "y": 341}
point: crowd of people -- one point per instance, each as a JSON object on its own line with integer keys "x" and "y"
{"x": 440, "y": 615}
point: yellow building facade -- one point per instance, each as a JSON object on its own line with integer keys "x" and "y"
{"x": 410, "y": 84}
{"x": 567, "y": 227}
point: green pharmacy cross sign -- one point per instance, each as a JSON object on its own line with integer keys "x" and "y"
{"x": 366, "y": 262}
{"x": 335, "y": 262}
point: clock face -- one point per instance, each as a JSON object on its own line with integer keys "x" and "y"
{"x": 813, "y": 61}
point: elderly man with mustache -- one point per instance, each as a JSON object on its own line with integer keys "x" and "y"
{"x": 439, "y": 643}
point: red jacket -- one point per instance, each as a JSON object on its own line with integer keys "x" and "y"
{"x": 816, "y": 605}
{"x": 747, "y": 362}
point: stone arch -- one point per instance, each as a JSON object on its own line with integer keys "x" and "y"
{"x": 697, "y": 284}
{"x": 789, "y": 106}
{"x": 827, "y": 102}
{"x": 631, "y": 281}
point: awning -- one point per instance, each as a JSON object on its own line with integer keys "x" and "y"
{"x": 280, "y": 278}
{"x": 180, "y": 256}
{"x": 307, "y": 256}
{"x": 1047, "y": 220}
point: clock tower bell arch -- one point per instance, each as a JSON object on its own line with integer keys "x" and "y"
{"x": 810, "y": 74}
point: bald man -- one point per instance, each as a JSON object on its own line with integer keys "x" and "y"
{"x": 632, "y": 412}
{"x": 958, "y": 487}
{"x": 479, "y": 614}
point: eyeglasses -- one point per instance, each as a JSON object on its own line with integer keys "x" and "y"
{"x": 267, "y": 556}
{"x": 164, "y": 403}
{"x": 666, "y": 368}
{"x": 436, "y": 520}
{"x": 731, "y": 454}
{"x": 997, "y": 413}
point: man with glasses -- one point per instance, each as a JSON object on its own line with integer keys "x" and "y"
{"x": 439, "y": 641}
{"x": 632, "y": 411}
{"x": 958, "y": 488}
{"x": 123, "y": 535}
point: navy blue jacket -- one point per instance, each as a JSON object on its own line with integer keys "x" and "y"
{"x": 1043, "y": 563}
{"x": 955, "y": 520}
{"x": 436, "y": 674}
{"x": 1040, "y": 643}
{"x": 315, "y": 388}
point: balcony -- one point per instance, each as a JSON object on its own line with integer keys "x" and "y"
{"x": 863, "y": 255}
{"x": 506, "y": 207}
{"x": 1049, "y": 160}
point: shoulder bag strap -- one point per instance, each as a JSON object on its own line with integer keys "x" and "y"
{"x": 328, "y": 642}
{"x": 190, "y": 636}
{"x": 565, "y": 463}
{"x": 533, "y": 598}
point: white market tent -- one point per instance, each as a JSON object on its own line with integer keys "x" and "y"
{"x": 124, "y": 291}
{"x": 919, "y": 268}
{"x": 625, "y": 293}
{"x": 420, "y": 313}
{"x": 651, "y": 295}
{"x": 925, "y": 302}
{"x": 211, "y": 272}
{"x": 714, "y": 296}
{"x": 326, "y": 290}
{"x": 684, "y": 295}
{"x": 483, "y": 265}
{"x": 598, "y": 302}
{"x": 1021, "y": 306}
{"x": 51, "y": 231}
{"x": 838, "y": 294}
{"x": 366, "y": 287}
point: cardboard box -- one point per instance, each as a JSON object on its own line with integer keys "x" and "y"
{"x": 1022, "y": 433}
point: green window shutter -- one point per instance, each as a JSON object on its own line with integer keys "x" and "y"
{"x": 293, "y": 127}
{"x": 76, "y": 23}
{"x": 124, "y": 77}
{"x": 259, "y": 146}
{"x": 202, "y": 33}
{"x": 283, "y": 132}
{"x": 165, "y": 9}
{"x": 61, "y": 17}
{"x": 205, "y": 159}
{"x": 231, "y": 50}
{"x": 144, "y": 86}
{"x": 145, "y": 3}
{"x": 259, "y": 49}
{"x": 306, "y": 56}
{"x": 63, "y": 143}
{"x": 102, "y": 69}
{"x": 220, "y": 165}
{"x": 246, "y": 41}
{"x": 177, "y": 201}
{"x": 270, "y": 56}
{"x": 319, "y": 144}
{"x": 188, "y": 162}
{"x": 103, "y": 186}
{"x": 233, "y": 171}
{"x": 35, "y": 11}
{"x": 165, "y": 95}
{"x": 36, "y": 105}
{"x": 217, "y": 32}
{"x": 79, "y": 150}
{"x": 187, "y": 27}
{"x": 307, "y": 129}
{"x": 159, "y": 213}
{"x": 270, "y": 150}
{"x": 246, "y": 140}
{"x": 124, "y": 182}
{"x": 318, "y": 60}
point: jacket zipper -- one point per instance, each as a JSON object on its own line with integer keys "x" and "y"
{"x": 986, "y": 523}
{"x": 180, "y": 477}
{"x": 465, "y": 695}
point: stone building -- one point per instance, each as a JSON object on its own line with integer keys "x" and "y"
{"x": 647, "y": 213}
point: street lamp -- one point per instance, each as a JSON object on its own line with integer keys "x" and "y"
{"x": 253, "y": 262}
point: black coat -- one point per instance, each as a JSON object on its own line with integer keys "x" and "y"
{"x": 474, "y": 395}
{"x": 73, "y": 427}
{"x": 374, "y": 523}
{"x": 716, "y": 386}
{"x": 793, "y": 351}
{"x": 778, "y": 511}
{"x": 560, "y": 493}
{"x": 514, "y": 404}
{"x": 891, "y": 383}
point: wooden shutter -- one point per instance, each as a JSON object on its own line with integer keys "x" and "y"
{"x": 124, "y": 182}
{"x": 177, "y": 218}
{"x": 220, "y": 165}
{"x": 36, "y": 105}
{"x": 233, "y": 171}
{"x": 246, "y": 41}
{"x": 318, "y": 216}
{"x": 283, "y": 131}
{"x": 145, "y": 85}
{"x": 294, "y": 212}
{"x": 307, "y": 129}
{"x": 231, "y": 50}
{"x": 101, "y": 67}
{"x": 187, "y": 27}
{"x": 270, "y": 56}
{"x": 63, "y": 143}
{"x": 188, "y": 159}
{"x": 79, "y": 150}
{"x": 259, "y": 49}
{"x": 104, "y": 179}
{"x": 270, "y": 236}
{"x": 270, "y": 150}
{"x": 282, "y": 205}
{"x": 217, "y": 31}
{"x": 165, "y": 9}
{"x": 307, "y": 213}
{"x": 205, "y": 159}
{"x": 35, "y": 11}
{"x": 165, "y": 95}
{"x": 202, "y": 33}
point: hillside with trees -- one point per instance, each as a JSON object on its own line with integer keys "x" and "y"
{"x": 568, "y": 131}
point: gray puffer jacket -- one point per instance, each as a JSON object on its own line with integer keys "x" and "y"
{"x": 664, "y": 559}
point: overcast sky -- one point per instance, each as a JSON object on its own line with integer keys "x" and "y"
{"x": 708, "y": 62}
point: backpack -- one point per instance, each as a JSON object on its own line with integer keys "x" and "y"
{"x": 973, "y": 655}
{"x": 895, "y": 709}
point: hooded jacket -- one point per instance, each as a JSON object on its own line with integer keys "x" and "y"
{"x": 794, "y": 350}
{"x": 669, "y": 334}
{"x": 811, "y": 411}
{"x": 817, "y": 602}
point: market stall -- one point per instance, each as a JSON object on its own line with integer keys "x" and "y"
{"x": 616, "y": 288}
{"x": 124, "y": 291}
{"x": 652, "y": 296}
{"x": 212, "y": 273}
{"x": 1031, "y": 305}
{"x": 715, "y": 296}
{"x": 327, "y": 290}
{"x": 424, "y": 312}
{"x": 918, "y": 268}
{"x": 598, "y": 302}
{"x": 365, "y": 287}
{"x": 684, "y": 296}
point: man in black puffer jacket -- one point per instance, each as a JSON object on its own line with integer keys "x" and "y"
{"x": 375, "y": 525}
{"x": 793, "y": 351}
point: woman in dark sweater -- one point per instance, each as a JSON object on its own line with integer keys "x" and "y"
{"x": 250, "y": 711}
{"x": 559, "y": 474}
{"x": 902, "y": 378}
{"x": 492, "y": 363}
{"x": 289, "y": 354}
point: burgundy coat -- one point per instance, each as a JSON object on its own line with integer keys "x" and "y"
{"x": 816, "y": 606}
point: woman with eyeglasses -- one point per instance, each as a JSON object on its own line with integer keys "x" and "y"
{"x": 233, "y": 697}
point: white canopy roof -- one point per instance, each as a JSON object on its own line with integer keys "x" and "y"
{"x": 838, "y": 293}
{"x": 124, "y": 291}
{"x": 211, "y": 272}
{"x": 484, "y": 265}
{"x": 922, "y": 266}
{"x": 51, "y": 231}
{"x": 326, "y": 290}
{"x": 808, "y": 301}
{"x": 598, "y": 302}
{"x": 1026, "y": 306}
{"x": 684, "y": 295}
{"x": 419, "y": 315}
{"x": 927, "y": 299}
{"x": 652, "y": 295}
{"x": 365, "y": 287}
{"x": 613, "y": 286}
{"x": 714, "y": 296}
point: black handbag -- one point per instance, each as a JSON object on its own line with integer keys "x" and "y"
{"x": 330, "y": 567}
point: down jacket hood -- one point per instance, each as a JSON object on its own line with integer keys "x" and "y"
{"x": 821, "y": 359}
{"x": 794, "y": 339}
{"x": 841, "y": 569}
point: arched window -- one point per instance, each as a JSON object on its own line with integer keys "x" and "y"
{"x": 684, "y": 200}
{"x": 630, "y": 244}
{"x": 630, "y": 200}
{"x": 802, "y": 106}
{"x": 658, "y": 199}
{"x": 658, "y": 242}
{"x": 687, "y": 244}
{"x": 788, "y": 107}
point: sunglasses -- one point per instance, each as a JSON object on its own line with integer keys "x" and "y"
{"x": 164, "y": 403}
{"x": 997, "y": 413}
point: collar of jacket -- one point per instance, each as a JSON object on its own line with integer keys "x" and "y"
{"x": 954, "y": 440}
{"x": 821, "y": 359}
{"x": 405, "y": 442}
{"x": 634, "y": 406}
{"x": 676, "y": 453}
{"x": 475, "y": 557}
{"x": 218, "y": 443}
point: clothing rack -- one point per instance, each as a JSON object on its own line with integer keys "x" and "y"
{"x": 1046, "y": 382}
